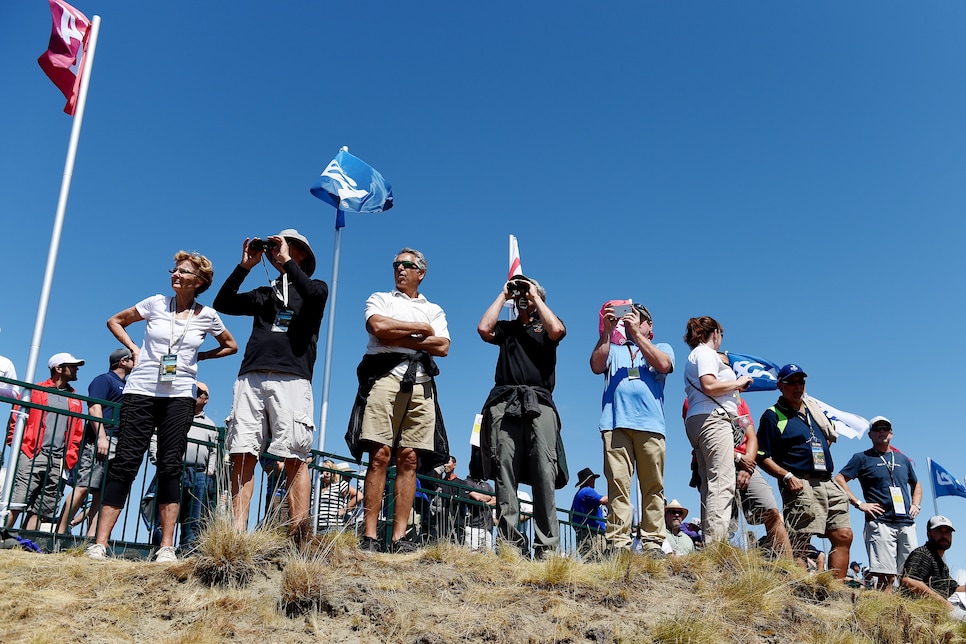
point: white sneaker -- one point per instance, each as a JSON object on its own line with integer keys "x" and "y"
{"x": 166, "y": 555}
{"x": 96, "y": 551}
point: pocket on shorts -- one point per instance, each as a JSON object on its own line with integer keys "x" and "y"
{"x": 799, "y": 508}
{"x": 303, "y": 429}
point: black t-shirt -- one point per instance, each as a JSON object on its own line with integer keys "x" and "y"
{"x": 527, "y": 355}
{"x": 292, "y": 352}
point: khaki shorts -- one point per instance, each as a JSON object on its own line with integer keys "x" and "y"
{"x": 821, "y": 506}
{"x": 400, "y": 418}
{"x": 271, "y": 412}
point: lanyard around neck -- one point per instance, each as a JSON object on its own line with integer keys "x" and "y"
{"x": 171, "y": 341}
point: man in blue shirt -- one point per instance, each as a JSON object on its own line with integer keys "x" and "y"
{"x": 793, "y": 446}
{"x": 586, "y": 515}
{"x": 632, "y": 422}
{"x": 892, "y": 495}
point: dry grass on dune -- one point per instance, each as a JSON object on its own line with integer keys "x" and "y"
{"x": 256, "y": 587}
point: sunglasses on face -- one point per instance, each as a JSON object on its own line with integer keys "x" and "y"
{"x": 405, "y": 264}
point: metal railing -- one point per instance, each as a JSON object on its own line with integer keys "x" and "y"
{"x": 442, "y": 511}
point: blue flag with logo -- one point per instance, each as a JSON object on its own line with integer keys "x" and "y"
{"x": 763, "y": 373}
{"x": 348, "y": 183}
{"x": 944, "y": 483}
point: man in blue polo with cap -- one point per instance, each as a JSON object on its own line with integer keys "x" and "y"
{"x": 794, "y": 439}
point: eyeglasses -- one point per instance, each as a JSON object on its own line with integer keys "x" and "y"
{"x": 202, "y": 392}
{"x": 881, "y": 428}
{"x": 675, "y": 512}
{"x": 181, "y": 271}
{"x": 405, "y": 264}
{"x": 798, "y": 382}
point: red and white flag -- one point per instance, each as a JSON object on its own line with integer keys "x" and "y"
{"x": 515, "y": 268}
{"x": 67, "y": 36}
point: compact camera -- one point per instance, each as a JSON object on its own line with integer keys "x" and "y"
{"x": 257, "y": 244}
{"x": 621, "y": 310}
{"x": 518, "y": 289}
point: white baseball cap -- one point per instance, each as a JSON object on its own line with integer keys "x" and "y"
{"x": 60, "y": 359}
{"x": 939, "y": 521}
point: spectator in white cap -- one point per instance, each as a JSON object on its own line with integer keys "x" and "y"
{"x": 272, "y": 409}
{"x": 892, "y": 494}
{"x": 925, "y": 573}
{"x": 50, "y": 440}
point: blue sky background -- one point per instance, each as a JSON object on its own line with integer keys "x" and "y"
{"x": 793, "y": 171}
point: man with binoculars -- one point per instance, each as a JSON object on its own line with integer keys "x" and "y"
{"x": 520, "y": 435}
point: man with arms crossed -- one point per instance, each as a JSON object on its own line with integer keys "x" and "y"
{"x": 395, "y": 415}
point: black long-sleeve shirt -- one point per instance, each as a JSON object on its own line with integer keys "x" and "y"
{"x": 292, "y": 352}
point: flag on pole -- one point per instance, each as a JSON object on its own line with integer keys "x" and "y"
{"x": 68, "y": 34}
{"x": 846, "y": 424}
{"x": 763, "y": 373}
{"x": 944, "y": 483}
{"x": 515, "y": 267}
{"x": 348, "y": 183}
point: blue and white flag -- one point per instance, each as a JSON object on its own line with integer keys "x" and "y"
{"x": 763, "y": 373}
{"x": 348, "y": 183}
{"x": 944, "y": 483}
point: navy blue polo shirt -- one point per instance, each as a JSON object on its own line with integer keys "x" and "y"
{"x": 876, "y": 472}
{"x": 785, "y": 436}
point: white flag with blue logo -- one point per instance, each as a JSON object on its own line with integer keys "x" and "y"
{"x": 348, "y": 183}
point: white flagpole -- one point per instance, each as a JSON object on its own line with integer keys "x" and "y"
{"x": 932, "y": 481}
{"x": 329, "y": 338}
{"x": 329, "y": 341}
{"x": 87, "y": 65}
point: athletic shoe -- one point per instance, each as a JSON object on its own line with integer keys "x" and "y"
{"x": 368, "y": 544}
{"x": 96, "y": 551}
{"x": 166, "y": 555}
{"x": 403, "y": 547}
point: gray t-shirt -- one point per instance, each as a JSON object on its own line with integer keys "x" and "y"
{"x": 55, "y": 426}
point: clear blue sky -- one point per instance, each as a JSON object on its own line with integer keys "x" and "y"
{"x": 794, "y": 171}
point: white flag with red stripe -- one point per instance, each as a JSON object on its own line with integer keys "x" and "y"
{"x": 515, "y": 268}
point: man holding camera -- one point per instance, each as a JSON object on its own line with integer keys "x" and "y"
{"x": 272, "y": 408}
{"x": 632, "y": 421}
{"x": 520, "y": 437}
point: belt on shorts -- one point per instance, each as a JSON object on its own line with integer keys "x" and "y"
{"x": 813, "y": 476}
